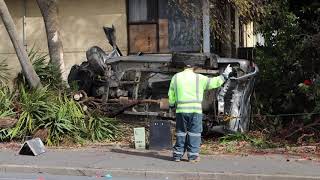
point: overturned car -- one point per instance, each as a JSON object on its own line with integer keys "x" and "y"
{"x": 138, "y": 85}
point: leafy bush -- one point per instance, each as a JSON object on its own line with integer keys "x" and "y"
{"x": 289, "y": 66}
{"x": 48, "y": 112}
{"x": 58, "y": 124}
{"x": 34, "y": 105}
{"x": 101, "y": 128}
{"x": 66, "y": 120}
{"x": 257, "y": 142}
{"x": 6, "y": 109}
{"x": 289, "y": 57}
{"x": 53, "y": 116}
{"x": 6, "y": 99}
{"x": 48, "y": 73}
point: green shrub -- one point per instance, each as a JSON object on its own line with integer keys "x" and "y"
{"x": 66, "y": 120}
{"x": 49, "y": 111}
{"x": 289, "y": 68}
{"x": 257, "y": 142}
{"x": 233, "y": 137}
{"x": 34, "y": 105}
{"x": 48, "y": 73}
{"x": 6, "y": 109}
{"x": 101, "y": 128}
{"x": 59, "y": 125}
{"x": 6, "y": 105}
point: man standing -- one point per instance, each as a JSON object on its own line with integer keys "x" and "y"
{"x": 186, "y": 94}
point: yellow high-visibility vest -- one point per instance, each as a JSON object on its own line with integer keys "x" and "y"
{"x": 187, "y": 89}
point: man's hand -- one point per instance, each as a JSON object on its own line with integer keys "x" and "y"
{"x": 227, "y": 72}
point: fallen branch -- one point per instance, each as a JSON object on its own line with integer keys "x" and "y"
{"x": 300, "y": 139}
{"x": 315, "y": 123}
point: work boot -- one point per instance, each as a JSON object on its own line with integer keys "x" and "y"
{"x": 195, "y": 160}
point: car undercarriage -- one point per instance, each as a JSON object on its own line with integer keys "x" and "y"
{"x": 138, "y": 85}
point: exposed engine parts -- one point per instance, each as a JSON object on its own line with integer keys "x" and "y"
{"x": 138, "y": 85}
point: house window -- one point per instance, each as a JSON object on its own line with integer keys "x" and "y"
{"x": 143, "y": 26}
{"x": 142, "y": 11}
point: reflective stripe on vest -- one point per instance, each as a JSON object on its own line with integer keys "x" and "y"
{"x": 176, "y": 87}
{"x": 189, "y": 108}
{"x": 208, "y": 83}
{"x": 185, "y": 102}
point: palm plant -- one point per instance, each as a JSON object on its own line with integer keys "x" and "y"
{"x": 34, "y": 105}
{"x": 6, "y": 109}
{"x": 6, "y": 99}
{"x": 102, "y": 128}
{"x": 58, "y": 124}
{"x": 65, "y": 120}
{"x": 48, "y": 73}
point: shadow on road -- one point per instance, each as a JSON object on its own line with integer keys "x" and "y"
{"x": 143, "y": 154}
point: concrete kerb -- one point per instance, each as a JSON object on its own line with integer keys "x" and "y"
{"x": 148, "y": 174}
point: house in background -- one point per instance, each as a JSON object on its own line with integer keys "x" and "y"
{"x": 148, "y": 26}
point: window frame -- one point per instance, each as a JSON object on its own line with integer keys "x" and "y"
{"x": 156, "y": 22}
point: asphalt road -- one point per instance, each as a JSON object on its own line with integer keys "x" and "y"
{"x": 17, "y": 176}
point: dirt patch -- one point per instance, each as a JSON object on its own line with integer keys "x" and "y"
{"x": 10, "y": 145}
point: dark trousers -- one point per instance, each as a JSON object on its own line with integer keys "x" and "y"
{"x": 188, "y": 135}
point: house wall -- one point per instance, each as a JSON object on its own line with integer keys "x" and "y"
{"x": 81, "y": 23}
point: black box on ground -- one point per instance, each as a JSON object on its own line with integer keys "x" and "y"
{"x": 160, "y": 135}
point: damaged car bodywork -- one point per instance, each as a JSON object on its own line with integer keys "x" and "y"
{"x": 138, "y": 85}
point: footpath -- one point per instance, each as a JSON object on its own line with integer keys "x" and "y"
{"x": 157, "y": 165}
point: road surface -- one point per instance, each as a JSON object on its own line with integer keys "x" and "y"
{"x": 17, "y": 176}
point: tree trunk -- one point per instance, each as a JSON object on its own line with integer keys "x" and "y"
{"x": 27, "y": 68}
{"x": 49, "y": 11}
